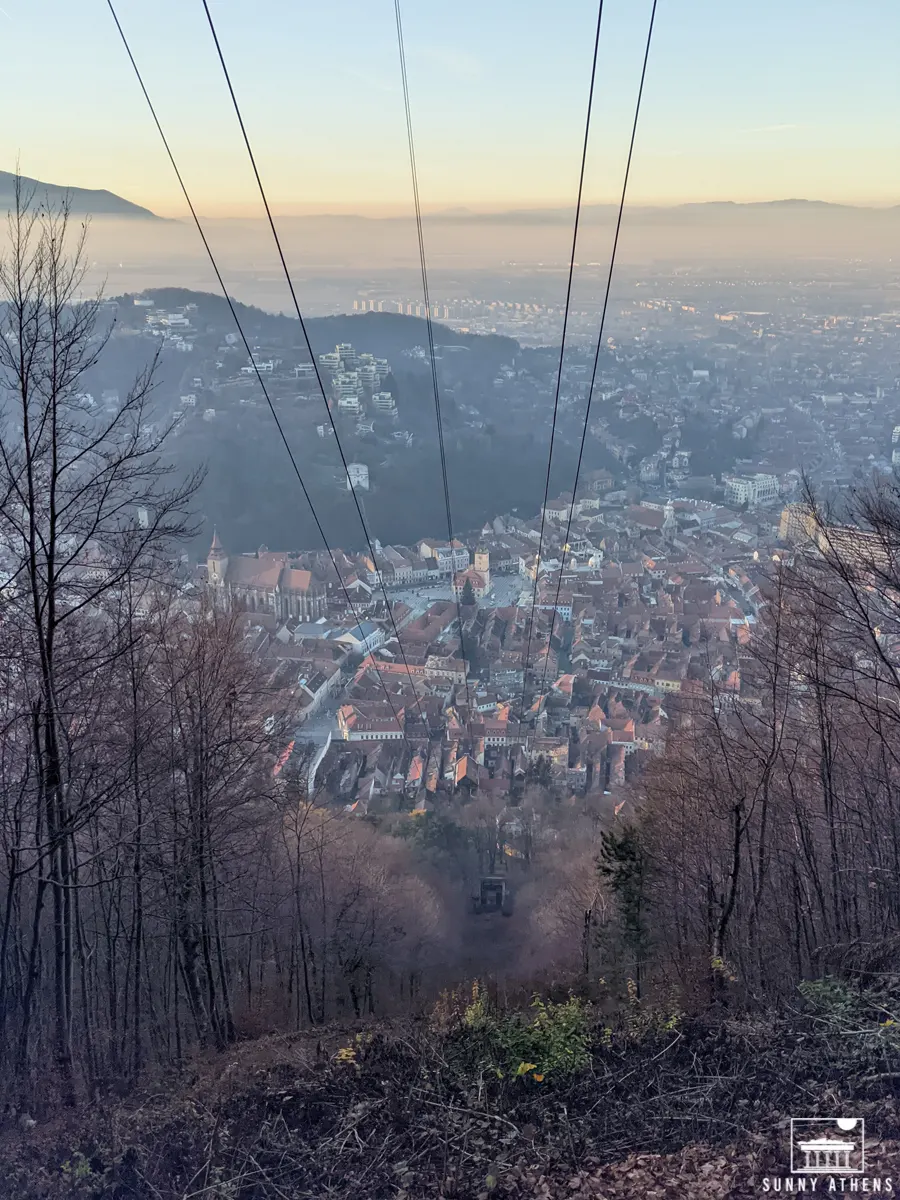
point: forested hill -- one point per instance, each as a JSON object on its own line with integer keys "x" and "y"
{"x": 496, "y": 457}
{"x": 496, "y": 399}
{"x": 382, "y": 333}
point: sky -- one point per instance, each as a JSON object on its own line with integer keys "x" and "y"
{"x": 744, "y": 101}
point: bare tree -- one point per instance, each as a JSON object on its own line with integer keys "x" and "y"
{"x": 772, "y": 823}
{"x": 88, "y": 507}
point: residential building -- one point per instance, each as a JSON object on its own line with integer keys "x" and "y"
{"x": 357, "y": 477}
{"x": 797, "y": 524}
{"x": 558, "y": 510}
{"x": 363, "y": 637}
{"x": 448, "y": 558}
{"x": 383, "y": 402}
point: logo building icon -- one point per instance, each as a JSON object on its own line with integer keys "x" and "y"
{"x": 828, "y": 1146}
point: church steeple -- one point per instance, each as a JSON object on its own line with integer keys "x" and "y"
{"x": 669, "y": 526}
{"x": 216, "y": 561}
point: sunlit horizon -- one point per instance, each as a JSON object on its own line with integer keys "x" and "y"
{"x": 742, "y": 104}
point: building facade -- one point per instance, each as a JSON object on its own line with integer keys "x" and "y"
{"x": 752, "y": 490}
{"x": 357, "y": 477}
{"x": 266, "y": 581}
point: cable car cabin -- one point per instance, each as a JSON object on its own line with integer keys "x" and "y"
{"x": 493, "y": 896}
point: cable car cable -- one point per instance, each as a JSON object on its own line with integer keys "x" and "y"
{"x": 609, "y": 278}
{"x": 245, "y": 342}
{"x": 429, "y": 325}
{"x": 562, "y": 350}
{"x": 313, "y": 359}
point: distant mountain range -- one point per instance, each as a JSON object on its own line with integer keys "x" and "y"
{"x": 702, "y": 214}
{"x": 101, "y": 203}
{"x": 715, "y": 210}
{"x": 82, "y": 201}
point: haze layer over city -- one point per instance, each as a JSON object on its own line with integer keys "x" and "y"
{"x": 450, "y": 661}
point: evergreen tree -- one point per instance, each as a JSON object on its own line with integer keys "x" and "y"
{"x": 622, "y": 865}
{"x": 468, "y": 593}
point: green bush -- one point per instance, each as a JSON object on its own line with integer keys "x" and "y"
{"x": 558, "y": 1037}
{"x": 556, "y": 1040}
{"x": 864, "y": 1013}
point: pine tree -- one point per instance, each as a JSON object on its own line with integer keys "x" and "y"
{"x": 622, "y": 864}
{"x": 468, "y": 593}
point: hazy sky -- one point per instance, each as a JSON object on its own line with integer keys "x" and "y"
{"x": 758, "y": 100}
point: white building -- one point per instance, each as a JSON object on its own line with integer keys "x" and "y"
{"x": 348, "y": 356}
{"x": 347, "y": 390}
{"x": 317, "y": 683}
{"x": 357, "y": 477}
{"x": 557, "y": 510}
{"x": 585, "y": 505}
{"x": 752, "y": 490}
{"x": 383, "y": 402}
{"x": 449, "y": 559}
{"x": 363, "y": 638}
{"x": 368, "y": 374}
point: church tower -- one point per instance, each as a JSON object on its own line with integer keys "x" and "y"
{"x": 669, "y": 527}
{"x": 216, "y": 563}
{"x": 482, "y": 565}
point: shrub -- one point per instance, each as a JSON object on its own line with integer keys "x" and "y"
{"x": 556, "y": 1040}
{"x": 866, "y": 1013}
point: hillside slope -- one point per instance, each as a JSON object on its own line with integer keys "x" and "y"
{"x": 415, "y": 1111}
{"x": 95, "y": 202}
